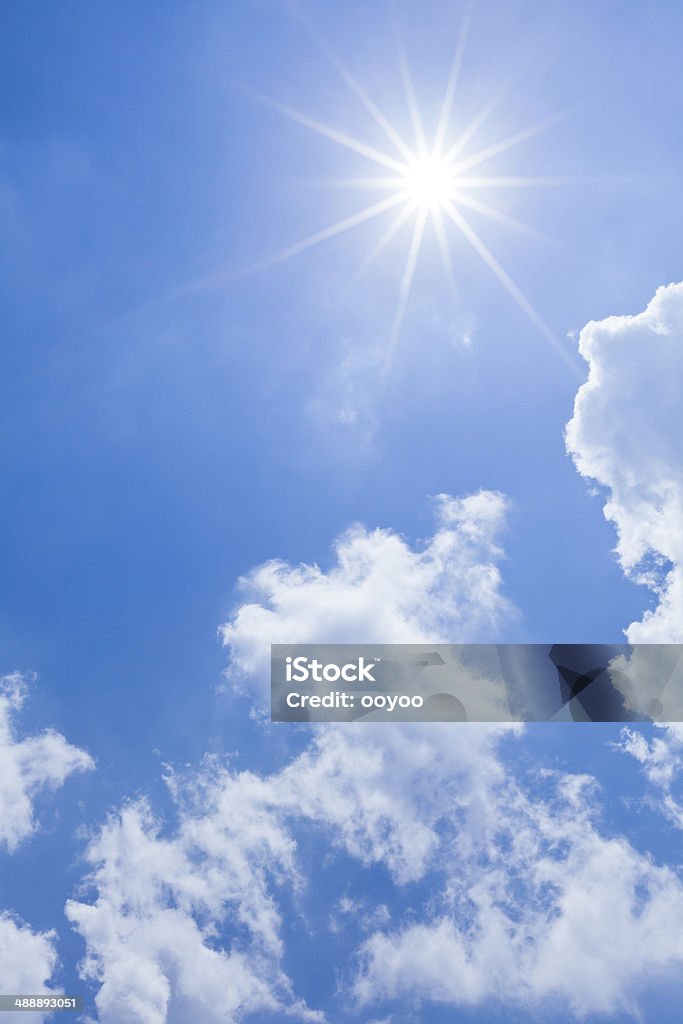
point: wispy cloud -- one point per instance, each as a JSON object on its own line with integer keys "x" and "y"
{"x": 28, "y": 765}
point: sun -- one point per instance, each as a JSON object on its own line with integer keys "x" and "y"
{"x": 429, "y": 182}
{"x": 436, "y": 181}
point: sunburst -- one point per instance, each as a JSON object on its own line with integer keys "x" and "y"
{"x": 426, "y": 181}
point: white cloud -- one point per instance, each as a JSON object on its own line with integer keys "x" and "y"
{"x": 161, "y": 903}
{"x": 152, "y": 934}
{"x": 28, "y": 765}
{"x": 379, "y": 791}
{"x": 361, "y": 913}
{"x": 650, "y": 677}
{"x": 380, "y": 589}
{"x": 626, "y": 433}
{"x": 537, "y": 905}
{"x": 510, "y": 890}
{"x": 661, "y": 760}
{"x": 27, "y": 961}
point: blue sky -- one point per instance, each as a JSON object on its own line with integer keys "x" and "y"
{"x": 175, "y": 415}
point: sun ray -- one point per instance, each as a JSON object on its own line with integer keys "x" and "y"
{"x": 460, "y": 199}
{"x": 406, "y": 283}
{"x": 475, "y": 124}
{"x": 384, "y": 239}
{"x": 521, "y": 182}
{"x": 335, "y": 229}
{"x": 411, "y": 99}
{"x": 502, "y": 181}
{"x": 444, "y": 248}
{"x": 426, "y": 184}
{"x": 395, "y": 183}
{"x": 428, "y": 180}
{"x": 454, "y": 74}
{"x": 508, "y": 143}
{"x": 490, "y": 260}
{"x": 513, "y": 290}
{"x": 335, "y": 136}
{"x": 380, "y": 119}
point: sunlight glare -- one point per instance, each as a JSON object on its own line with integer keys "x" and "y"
{"x": 429, "y": 182}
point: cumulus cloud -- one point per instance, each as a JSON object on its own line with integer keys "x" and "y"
{"x": 152, "y": 933}
{"x": 380, "y": 589}
{"x": 173, "y": 920}
{"x": 536, "y": 906}
{"x": 27, "y": 961}
{"x": 509, "y": 888}
{"x": 379, "y": 792}
{"x": 626, "y": 435}
{"x": 177, "y": 921}
{"x": 28, "y": 765}
{"x": 505, "y": 886}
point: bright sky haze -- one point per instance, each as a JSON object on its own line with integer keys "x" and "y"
{"x": 335, "y": 323}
